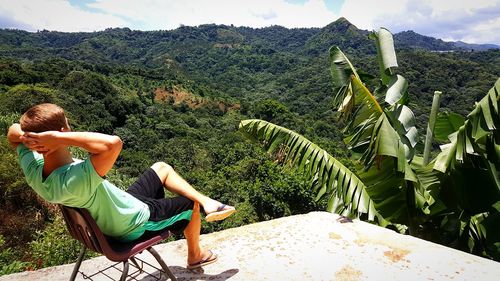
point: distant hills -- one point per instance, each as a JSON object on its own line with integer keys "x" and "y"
{"x": 308, "y": 40}
{"x": 250, "y": 64}
{"x": 411, "y": 39}
{"x": 477, "y": 47}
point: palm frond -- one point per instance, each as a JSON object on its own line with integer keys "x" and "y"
{"x": 427, "y": 189}
{"x": 366, "y": 113}
{"x": 478, "y": 136}
{"x": 385, "y": 141}
{"x": 386, "y": 54}
{"x": 387, "y": 189}
{"x": 396, "y": 89}
{"x": 341, "y": 70}
{"x": 446, "y": 124}
{"x": 345, "y": 190}
{"x": 403, "y": 122}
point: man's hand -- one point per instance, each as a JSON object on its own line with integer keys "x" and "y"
{"x": 44, "y": 143}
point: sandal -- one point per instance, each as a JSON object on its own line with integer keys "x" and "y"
{"x": 221, "y": 213}
{"x": 208, "y": 260}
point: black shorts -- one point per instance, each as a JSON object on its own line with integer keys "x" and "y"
{"x": 149, "y": 189}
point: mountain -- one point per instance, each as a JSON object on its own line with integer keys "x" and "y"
{"x": 412, "y": 40}
{"x": 475, "y": 47}
{"x": 343, "y": 34}
{"x": 122, "y": 45}
{"x": 290, "y": 65}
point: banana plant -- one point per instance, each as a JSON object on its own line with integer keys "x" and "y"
{"x": 381, "y": 132}
{"x": 470, "y": 163}
{"x": 391, "y": 185}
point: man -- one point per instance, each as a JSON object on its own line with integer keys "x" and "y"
{"x": 42, "y": 141}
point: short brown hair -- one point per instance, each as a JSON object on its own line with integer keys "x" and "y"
{"x": 44, "y": 117}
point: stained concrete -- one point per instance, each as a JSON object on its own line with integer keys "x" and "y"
{"x": 314, "y": 246}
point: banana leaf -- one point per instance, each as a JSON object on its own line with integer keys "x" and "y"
{"x": 343, "y": 187}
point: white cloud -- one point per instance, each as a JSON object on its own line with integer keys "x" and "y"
{"x": 169, "y": 14}
{"x": 473, "y": 21}
{"x": 54, "y": 15}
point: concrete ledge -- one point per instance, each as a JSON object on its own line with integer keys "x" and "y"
{"x": 314, "y": 246}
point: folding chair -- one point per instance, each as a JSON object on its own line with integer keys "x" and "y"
{"x": 83, "y": 228}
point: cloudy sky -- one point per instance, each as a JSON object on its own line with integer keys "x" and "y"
{"x": 472, "y": 21}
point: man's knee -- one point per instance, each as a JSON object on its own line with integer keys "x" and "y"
{"x": 162, "y": 169}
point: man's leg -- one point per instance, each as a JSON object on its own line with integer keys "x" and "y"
{"x": 175, "y": 183}
{"x": 192, "y": 234}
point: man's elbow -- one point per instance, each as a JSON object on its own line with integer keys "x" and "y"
{"x": 115, "y": 143}
{"x": 13, "y": 135}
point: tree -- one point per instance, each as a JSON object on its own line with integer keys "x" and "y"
{"x": 270, "y": 109}
{"x": 21, "y": 97}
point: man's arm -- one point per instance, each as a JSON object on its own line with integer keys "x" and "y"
{"x": 14, "y": 135}
{"x": 104, "y": 149}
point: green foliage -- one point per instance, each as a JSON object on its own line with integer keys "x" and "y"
{"x": 411, "y": 40}
{"x": 96, "y": 105}
{"x": 345, "y": 191}
{"x": 446, "y": 124}
{"x": 378, "y": 131}
{"x": 478, "y": 136}
{"x": 472, "y": 160}
{"x": 54, "y": 246}
{"x": 8, "y": 260}
{"x": 13, "y": 188}
{"x": 21, "y": 97}
{"x": 6, "y": 121}
{"x": 13, "y": 73}
{"x": 288, "y": 65}
{"x": 270, "y": 110}
{"x": 259, "y": 190}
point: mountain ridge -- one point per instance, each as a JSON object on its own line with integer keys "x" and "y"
{"x": 405, "y": 39}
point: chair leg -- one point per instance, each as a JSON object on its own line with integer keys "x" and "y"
{"x": 134, "y": 261}
{"x": 125, "y": 271}
{"x": 78, "y": 263}
{"x": 162, "y": 263}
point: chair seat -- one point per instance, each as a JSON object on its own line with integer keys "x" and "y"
{"x": 123, "y": 250}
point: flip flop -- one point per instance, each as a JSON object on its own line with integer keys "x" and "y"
{"x": 208, "y": 260}
{"x": 343, "y": 219}
{"x": 220, "y": 214}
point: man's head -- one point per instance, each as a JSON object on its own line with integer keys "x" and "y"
{"x": 44, "y": 117}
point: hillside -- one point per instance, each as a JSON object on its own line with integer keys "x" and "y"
{"x": 253, "y": 64}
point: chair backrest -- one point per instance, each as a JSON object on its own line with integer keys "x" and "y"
{"x": 83, "y": 228}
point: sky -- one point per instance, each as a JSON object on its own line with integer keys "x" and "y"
{"x": 471, "y": 21}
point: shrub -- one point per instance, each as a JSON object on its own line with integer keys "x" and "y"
{"x": 8, "y": 262}
{"x": 54, "y": 245}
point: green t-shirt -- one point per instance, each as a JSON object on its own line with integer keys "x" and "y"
{"x": 116, "y": 212}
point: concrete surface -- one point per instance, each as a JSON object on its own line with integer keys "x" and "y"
{"x": 314, "y": 246}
